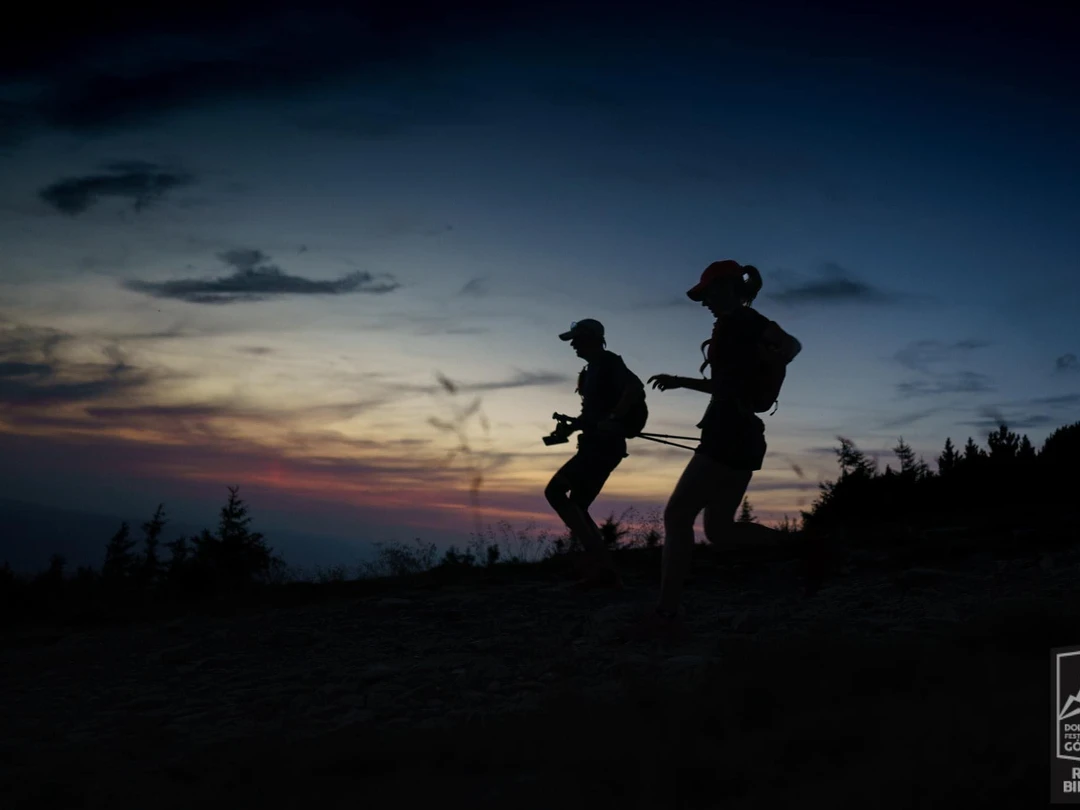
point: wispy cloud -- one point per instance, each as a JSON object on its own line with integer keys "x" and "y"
{"x": 923, "y": 355}
{"x": 423, "y": 324}
{"x": 255, "y": 279}
{"x": 52, "y": 384}
{"x": 38, "y": 375}
{"x": 930, "y": 359}
{"x": 1059, "y": 401}
{"x": 834, "y": 285}
{"x": 991, "y": 418}
{"x": 905, "y": 419}
{"x": 252, "y": 52}
{"x": 962, "y": 382}
{"x": 1067, "y": 363}
{"x": 669, "y": 302}
{"x": 15, "y": 368}
{"x": 140, "y": 182}
{"x": 520, "y": 379}
{"x": 475, "y": 287}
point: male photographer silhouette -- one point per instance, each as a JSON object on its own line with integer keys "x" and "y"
{"x": 612, "y": 410}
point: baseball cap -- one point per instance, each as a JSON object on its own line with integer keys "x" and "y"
{"x": 586, "y": 327}
{"x": 728, "y": 268}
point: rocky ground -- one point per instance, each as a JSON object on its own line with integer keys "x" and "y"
{"x": 890, "y": 686}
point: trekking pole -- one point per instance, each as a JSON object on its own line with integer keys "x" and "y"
{"x": 653, "y": 437}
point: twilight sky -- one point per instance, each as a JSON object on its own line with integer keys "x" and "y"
{"x": 240, "y": 246}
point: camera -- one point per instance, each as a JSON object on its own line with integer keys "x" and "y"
{"x": 562, "y": 431}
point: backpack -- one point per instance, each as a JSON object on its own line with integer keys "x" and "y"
{"x": 768, "y": 380}
{"x": 634, "y": 420}
{"x": 638, "y": 415}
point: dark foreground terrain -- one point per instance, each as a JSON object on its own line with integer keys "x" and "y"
{"x": 893, "y": 686}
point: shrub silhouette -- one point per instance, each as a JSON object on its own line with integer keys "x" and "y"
{"x": 746, "y": 512}
{"x": 1005, "y": 486}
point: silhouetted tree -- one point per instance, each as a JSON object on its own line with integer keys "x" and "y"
{"x": 1059, "y": 475}
{"x": 1026, "y": 452}
{"x": 239, "y": 555}
{"x": 151, "y": 565}
{"x": 119, "y": 560}
{"x": 1062, "y": 446}
{"x": 973, "y": 454}
{"x": 1003, "y": 444}
{"x": 907, "y": 458}
{"x": 949, "y": 459}
{"x": 853, "y": 461}
{"x": 179, "y": 554}
{"x": 746, "y": 512}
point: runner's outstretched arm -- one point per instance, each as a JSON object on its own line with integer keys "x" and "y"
{"x": 669, "y": 382}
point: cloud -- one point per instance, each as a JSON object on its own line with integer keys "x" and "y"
{"x": 666, "y": 302}
{"x": 142, "y": 183}
{"x": 1059, "y": 401}
{"x": 14, "y": 368}
{"x": 921, "y": 355}
{"x": 105, "y": 383}
{"x": 254, "y": 279}
{"x": 158, "y": 61}
{"x": 420, "y": 324}
{"x": 836, "y": 286}
{"x": 34, "y": 375}
{"x": 520, "y": 379}
{"x": 963, "y": 382}
{"x": 927, "y": 357}
{"x": 1067, "y": 362}
{"x": 903, "y": 420}
{"x": 22, "y": 343}
{"x": 475, "y": 287}
{"x": 991, "y": 418}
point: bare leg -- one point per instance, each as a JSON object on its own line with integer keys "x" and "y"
{"x": 577, "y": 519}
{"x": 690, "y": 496}
{"x": 720, "y": 527}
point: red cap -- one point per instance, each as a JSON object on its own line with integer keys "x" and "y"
{"x": 728, "y": 268}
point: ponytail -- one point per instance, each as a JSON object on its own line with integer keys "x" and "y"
{"x": 748, "y": 289}
{"x": 752, "y": 285}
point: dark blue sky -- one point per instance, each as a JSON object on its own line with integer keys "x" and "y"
{"x": 241, "y": 241}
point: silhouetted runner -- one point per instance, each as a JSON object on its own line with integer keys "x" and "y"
{"x": 747, "y": 355}
{"x": 610, "y": 396}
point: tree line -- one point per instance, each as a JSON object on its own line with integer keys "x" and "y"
{"x": 997, "y": 488}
